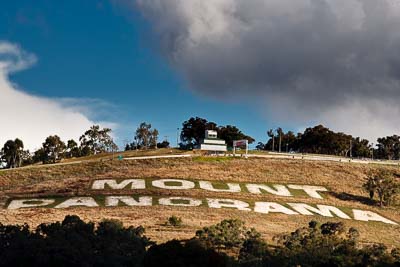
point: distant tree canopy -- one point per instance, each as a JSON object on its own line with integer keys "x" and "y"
{"x": 145, "y": 137}
{"x": 96, "y": 140}
{"x": 389, "y": 147}
{"x": 193, "y": 132}
{"x": 53, "y": 148}
{"x": 13, "y": 153}
{"x": 318, "y": 140}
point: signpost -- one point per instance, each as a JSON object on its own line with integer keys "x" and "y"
{"x": 240, "y": 143}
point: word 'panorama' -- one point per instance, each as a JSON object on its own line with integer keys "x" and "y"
{"x": 178, "y": 184}
{"x": 259, "y": 207}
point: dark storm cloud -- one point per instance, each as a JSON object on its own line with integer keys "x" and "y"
{"x": 305, "y": 59}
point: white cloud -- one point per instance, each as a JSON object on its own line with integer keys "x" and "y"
{"x": 33, "y": 118}
{"x": 326, "y": 61}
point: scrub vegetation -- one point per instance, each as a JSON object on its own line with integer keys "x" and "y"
{"x": 74, "y": 242}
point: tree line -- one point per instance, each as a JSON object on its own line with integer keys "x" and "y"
{"x": 322, "y": 140}
{"x": 317, "y": 139}
{"x": 74, "y": 242}
{"x": 93, "y": 141}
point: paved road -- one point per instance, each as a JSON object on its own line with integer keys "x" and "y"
{"x": 323, "y": 158}
{"x": 160, "y": 157}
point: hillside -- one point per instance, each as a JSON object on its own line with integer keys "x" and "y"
{"x": 60, "y": 183}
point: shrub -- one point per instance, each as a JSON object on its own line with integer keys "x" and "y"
{"x": 174, "y": 221}
{"x": 384, "y": 185}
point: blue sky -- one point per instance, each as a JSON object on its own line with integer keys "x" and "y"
{"x": 95, "y": 50}
{"x": 254, "y": 64}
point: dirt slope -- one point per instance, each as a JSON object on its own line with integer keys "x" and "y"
{"x": 342, "y": 179}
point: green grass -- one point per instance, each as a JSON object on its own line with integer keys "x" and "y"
{"x": 211, "y": 159}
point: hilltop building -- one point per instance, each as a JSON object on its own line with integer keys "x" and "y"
{"x": 212, "y": 143}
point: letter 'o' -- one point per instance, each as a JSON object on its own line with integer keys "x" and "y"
{"x": 172, "y": 201}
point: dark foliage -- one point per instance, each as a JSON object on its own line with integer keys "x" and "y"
{"x": 73, "y": 243}
{"x": 193, "y": 132}
{"x": 185, "y": 254}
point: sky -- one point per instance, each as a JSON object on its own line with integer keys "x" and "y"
{"x": 260, "y": 64}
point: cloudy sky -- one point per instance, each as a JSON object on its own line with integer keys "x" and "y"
{"x": 257, "y": 64}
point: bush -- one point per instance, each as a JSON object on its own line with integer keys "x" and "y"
{"x": 227, "y": 234}
{"x": 184, "y": 253}
{"x": 384, "y": 185}
{"x": 73, "y": 242}
{"x": 174, "y": 221}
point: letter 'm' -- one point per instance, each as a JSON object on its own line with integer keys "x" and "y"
{"x": 29, "y": 203}
{"x": 322, "y": 210}
{"x": 268, "y": 207}
{"x": 112, "y": 183}
{"x": 228, "y": 203}
{"x": 364, "y": 215}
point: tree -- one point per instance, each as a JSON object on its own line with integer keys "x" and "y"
{"x": 12, "y": 153}
{"x": 227, "y": 234}
{"x": 96, "y": 140}
{"x": 153, "y": 138}
{"x": 163, "y": 144}
{"x": 389, "y": 147}
{"x": 260, "y": 146}
{"x": 271, "y": 134}
{"x": 288, "y": 139}
{"x": 384, "y": 185}
{"x": 193, "y": 131}
{"x": 53, "y": 148}
{"x": 145, "y": 136}
{"x": 231, "y": 133}
{"x": 73, "y": 242}
{"x": 72, "y": 149}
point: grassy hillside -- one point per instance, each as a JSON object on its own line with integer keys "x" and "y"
{"x": 342, "y": 179}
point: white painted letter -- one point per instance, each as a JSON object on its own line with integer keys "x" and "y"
{"x": 183, "y": 184}
{"x": 29, "y": 203}
{"x": 177, "y": 201}
{"x": 77, "y": 201}
{"x": 267, "y": 207}
{"x": 112, "y": 183}
{"x": 310, "y": 190}
{"x": 234, "y": 188}
{"x": 322, "y": 210}
{"x": 113, "y": 201}
{"x": 364, "y": 215}
{"x": 228, "y": 203}
{"x": 281, "y": 190}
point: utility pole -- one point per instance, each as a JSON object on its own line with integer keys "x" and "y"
{"x": 372, "y": 151}
{"x": 273, "y": 142}
{"x": 351, "y": 148}
{"x": 177, "y": 137}
{"x": 280, "y": 140}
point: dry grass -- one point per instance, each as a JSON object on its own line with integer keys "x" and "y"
{"x": 67, "y": 180}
